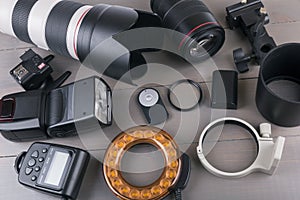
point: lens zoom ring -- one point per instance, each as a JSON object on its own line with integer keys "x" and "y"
{"x": 20, "y": 19}
{"x": 185, "y": 10}
{"x": 57, "y": 26}
{"x": 86, "y": 30}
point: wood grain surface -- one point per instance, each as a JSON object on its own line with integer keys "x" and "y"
{"x": 234, "y": 150}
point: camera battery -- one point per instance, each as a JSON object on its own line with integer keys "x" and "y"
{"x": 225, "y": 89}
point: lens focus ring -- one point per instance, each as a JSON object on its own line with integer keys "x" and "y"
{"x": 20, "y": 19}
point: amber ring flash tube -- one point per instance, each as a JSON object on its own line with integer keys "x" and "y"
{"x": 171, "y": 175}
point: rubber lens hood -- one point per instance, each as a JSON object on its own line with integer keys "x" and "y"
{"x": 282, "y": 63}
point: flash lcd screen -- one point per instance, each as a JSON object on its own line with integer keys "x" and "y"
{"x": 56, "y": 169}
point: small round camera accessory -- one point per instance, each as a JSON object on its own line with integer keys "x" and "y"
{"x": 184, "y": 95}
{"x": 174, "y": 177}
{"x": 152, "y": 106}
{"x": 268, "y": 156}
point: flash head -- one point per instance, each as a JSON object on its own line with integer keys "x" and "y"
{"x": 39, "y": 114}
{"x": 103, "y": 102}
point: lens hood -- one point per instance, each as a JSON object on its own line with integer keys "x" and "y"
{"x": 281, "y": 63}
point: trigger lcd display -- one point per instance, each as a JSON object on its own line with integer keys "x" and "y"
{"x": 56, "y": 169}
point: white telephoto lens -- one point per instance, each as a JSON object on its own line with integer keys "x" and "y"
{"x": 6, "y": 12}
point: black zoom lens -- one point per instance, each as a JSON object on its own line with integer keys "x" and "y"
{"x": 201, "y": 34}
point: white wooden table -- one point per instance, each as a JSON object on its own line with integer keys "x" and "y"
{"x": 233, "y": 152}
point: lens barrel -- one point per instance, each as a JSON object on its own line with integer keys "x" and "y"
{"x": 74, "y": 30}
{"x": 201, "y": 34}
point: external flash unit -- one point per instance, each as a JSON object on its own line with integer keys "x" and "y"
{"x": 40, "y": 114}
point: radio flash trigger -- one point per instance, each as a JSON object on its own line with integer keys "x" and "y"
{"x": 34, "y": 72}
{"x": 152, "y": 106}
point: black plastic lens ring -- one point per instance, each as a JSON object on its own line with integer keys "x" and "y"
{"x": 281, "y": 63}
{"x": 191, "y": 83}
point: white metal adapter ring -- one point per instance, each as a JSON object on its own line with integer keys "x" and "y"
{"x": 268, "y": 155}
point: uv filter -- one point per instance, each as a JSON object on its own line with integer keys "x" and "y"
{"x": 185, "y": 95}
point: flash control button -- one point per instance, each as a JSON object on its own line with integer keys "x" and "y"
{"x": 31, "y": 163}
{"x": 37, "y": 169}
{"x": 45, "y": 150}
{"x": 35, "y": 154}
{"x": 28, "y": 171}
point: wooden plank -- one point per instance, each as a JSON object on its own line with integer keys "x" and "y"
{"x": 234, "y": 151}
{"x": 10, "y": 43}
{"x": 283, "y": 183}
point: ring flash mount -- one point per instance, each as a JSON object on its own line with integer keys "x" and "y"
{"x": 268, "y": 156}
